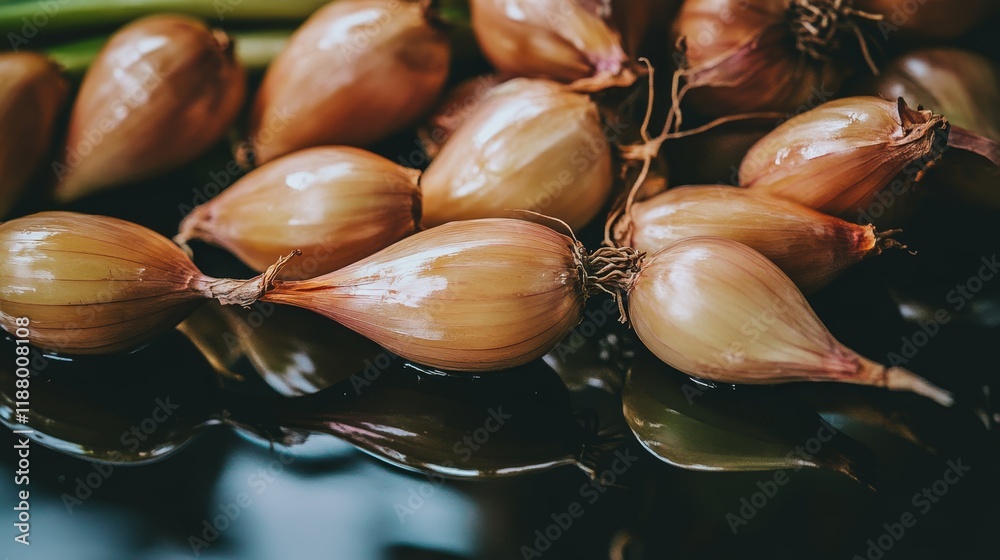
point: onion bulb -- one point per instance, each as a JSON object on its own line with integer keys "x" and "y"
{"x": 161, "y": 92}
{"x": 932, "y": 19}
{"x": 812, "y": 248}
{"x": 716, "y": 309}
{"x": 336, "y": 205}
{"x": 32, "y": 93}
{"x": 95, "y": 285}
{"x": 839, "y": 157}
{"x": 531, "y": 145}
{"x": 477, "y": 295}
{"x": 354, "y": 73}
{"x": 765, "y": 55}
{"x": 964, "y": 86}
{"x": 561, "y": 40}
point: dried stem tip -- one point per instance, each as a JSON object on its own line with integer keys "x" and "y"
{"x": 246, "y": 292}
{"x": 817, "y": 25}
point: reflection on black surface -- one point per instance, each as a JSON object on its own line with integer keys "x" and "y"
{"x": 120, "y": 409}
{"x": 329, "y": 503}
{"x": 295, "y": 351}
{"x": 455, "y": 425}
{"x": 721, "y": 429}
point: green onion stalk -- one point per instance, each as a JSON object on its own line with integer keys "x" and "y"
{"x": 31, "y": 24}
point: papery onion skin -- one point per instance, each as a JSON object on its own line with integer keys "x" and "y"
{"x": 838, "y": 157}
{"x": 812, "y": 248}
{"x": 92, "y": 284}
{"x": 474, "y": 296}
{"x": 162, "y": 91}
{"x": 532, "y": 145}
{"x": 32, "y": 93}
{"x": 740, "y": 57}
{"x": 354, "y": 73}
{"x": 335, "y": 204}
{"x": 716, "y": 309}
{"x": 561, "y": 40}
{"x": 931, "y": 19}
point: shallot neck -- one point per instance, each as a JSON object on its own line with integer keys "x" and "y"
{"x": 610, "y": 270}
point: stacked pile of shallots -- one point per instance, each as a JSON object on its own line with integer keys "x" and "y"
{"x": 461, "y": 254}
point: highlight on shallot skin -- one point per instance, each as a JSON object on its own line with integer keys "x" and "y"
{"x": 716, "y": 309}
{"x": 839, "y": 156}
{"x": 162, "y": 91}
{"x": 100, "y": 285}
{"x": 530, "y": 145}
{"x": 569, "y": 41}
{"x": 741, "y": 56}
{"x": 354, "y": 73}
{"x": 334, "y": 204}
{"x": 476, "y": 295}
{"x": 812, "y": 248}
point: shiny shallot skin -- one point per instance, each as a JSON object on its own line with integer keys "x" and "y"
{"x": 477, "y": 295}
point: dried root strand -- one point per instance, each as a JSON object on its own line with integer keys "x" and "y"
{"x": 884, "y": 242}
{"x": 610, "y": 270}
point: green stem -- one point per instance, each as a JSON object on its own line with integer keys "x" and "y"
{"x": 452, "y": 12}
{"x": 255, "y": 49}
{"x": 76, "y": 57}
{"x": 25, "y": 24}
